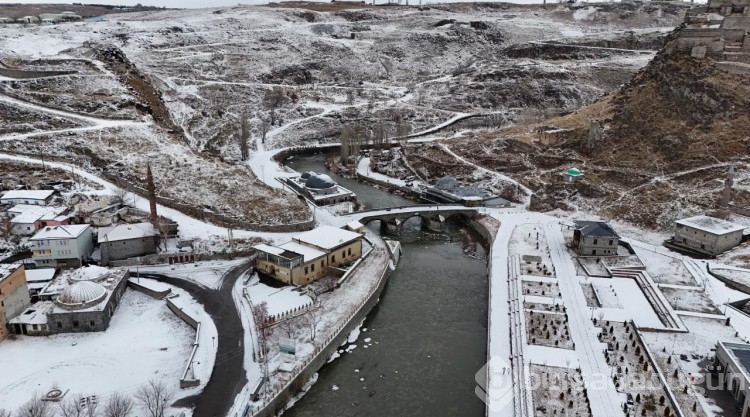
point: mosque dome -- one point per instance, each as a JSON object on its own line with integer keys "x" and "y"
{"x": 82, "y": 294}
{"x": 319, "y": 181}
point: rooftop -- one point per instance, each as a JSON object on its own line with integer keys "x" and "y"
{"x": 7, "y": 269}
{"x": 307, "y": 252}
{"x": 327, "y": 237}
{"x": 40, "y": 275}
{"x": 126, "y": 232}
{"x": 710, "y": 225}
{"x": 596, "y": 229}
{"x": 60, "y": 232}
{"x": 27, "y": 194}
{"x": 740, "y": 352}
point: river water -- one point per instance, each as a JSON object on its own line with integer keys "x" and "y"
{"x": 421, "y": 346}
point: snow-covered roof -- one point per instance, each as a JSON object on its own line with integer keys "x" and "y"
{"x": 354, "y": 225}
{"x": 40, "y": 275}
{"x": 7, "y": 269}
{"x": 710, "y": 225}
{"x": 268, "y": 249}
{"x": 27, "y": 194}
{"x": 126, "y": 232}
{"x": 60, "y": 232}
{"x": 88, "y": 273}
{"x": 36, "y": 314}
{"x": 26, "y": 218}
{"x": 327, "y": 237}
{"x": 82, "y": 292}
{"x": 596, "y": 229}
{"x": 307, "y": 252}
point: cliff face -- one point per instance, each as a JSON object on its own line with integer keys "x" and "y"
{"x": 679, "y": 113}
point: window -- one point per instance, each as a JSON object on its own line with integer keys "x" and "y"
{"x": 703, "y": 246}
{"x": 349, "y": 251}
{"x": 611, "y": 242}
{"x": 33, "y": 327}
{"x": 343, "y": 254}
{"x": 75, "y": 323}
{"x": 333, "y": 258}
{"x": 59, "y": 325}
{"x": 322, "y": 263}
{"x": 305, "y": 270}
{"x": 312, "y": 267}
{"x": 92, "y": 323}
{"x": 596, "y": 241}
{"x": 593, "y": 252}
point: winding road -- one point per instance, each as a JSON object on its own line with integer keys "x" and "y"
{"x": 228, "y": 375}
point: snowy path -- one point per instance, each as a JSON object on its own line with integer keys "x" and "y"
{"x": 605, "y": 400}
{"x": 526, "y": 190}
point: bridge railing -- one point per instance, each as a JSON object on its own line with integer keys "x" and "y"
{"x": 417, "y": 207}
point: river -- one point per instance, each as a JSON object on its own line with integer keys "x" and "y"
{"x": 421, "y": 346}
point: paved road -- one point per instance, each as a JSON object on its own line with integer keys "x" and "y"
{"x": 228, "y": 375}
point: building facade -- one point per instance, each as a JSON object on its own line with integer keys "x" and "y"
{"x": 595, "y": 239}
{"x": 14, "y": 295}
{"x": 62, "y": 246}
{"x": 126, "y": 241}
{"x": 707, "y": 235}
{"x": 309, "y": 255}
{"x": 730, "y": 370}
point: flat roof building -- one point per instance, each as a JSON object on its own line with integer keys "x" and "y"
{"x": 35, "y": 197}
{"x": 308, "y": 255}
{"x": 707, "y": 235}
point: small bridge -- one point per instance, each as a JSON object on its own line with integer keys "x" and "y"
{"x": 432, "y": 217}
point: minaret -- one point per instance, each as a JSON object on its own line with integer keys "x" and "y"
{"x": 726, "y": 193}
{"x": 151, "y": 193}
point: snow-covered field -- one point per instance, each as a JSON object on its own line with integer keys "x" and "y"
{"x": 144, "y": 340}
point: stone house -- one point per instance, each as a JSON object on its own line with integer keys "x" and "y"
{"x": 77, "y": 302}
{"x": 14, "y": 295}
{"x": 62, "y": 246}
{"x": 707, "y": 235}
{"x": 126, "y": 241}
{"x": 595, "y": 238}
{"x": 309, "y": 255}
{"x": 26, "y": 219}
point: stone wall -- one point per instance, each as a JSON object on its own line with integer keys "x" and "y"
{"x": 123, "y": 249}
{"x": 148, "y": 291}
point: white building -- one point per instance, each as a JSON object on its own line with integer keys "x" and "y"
{"x": 62, "y": 246}
{"x": 26, "y": 219}
{"x": 707, "y": 235}
{"x": 35, "y": 197}
{"x": 730, "y": 366}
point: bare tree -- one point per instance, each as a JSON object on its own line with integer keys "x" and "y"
{"x": 124, "y": 197}
{"x": 313, "y": 318}
{"x": 72, "y": 406}
{"x": 35, "y": 407}
{"x": 119, "y": 406}
{"x": 264, "y": 124}
{"x": 261, "y": 318}
{"x": 273, "y": 99}
{"x": 4, "y": 413}
{"x": 155, "y": 397}
{"x": 346, "y": 149}
{"x": 244, "y": 136}
{"x": 290, "y": 327}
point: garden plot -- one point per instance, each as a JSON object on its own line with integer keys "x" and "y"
{"x": 588, "y": 292}
{"x": 536, "y": 306}
{"x": 665, "y": 269}
{"x": 696, "y": 346}
{"x": 528, "y": 241}
{"x": 689, "y": 300}
{"x": 541, "y": 288}
{"x": 607, "y": 296}
{"x": 634, "y": 373}
{"x": 548, "y": 329}
{"x": 558, "y": 392}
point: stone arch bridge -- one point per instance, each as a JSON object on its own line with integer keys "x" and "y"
{"x": 432, "y": 217}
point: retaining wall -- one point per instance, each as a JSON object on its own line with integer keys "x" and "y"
{"x": 408, "y": 191}
{"x": 148, "y": 291}
{"x": 729, "y": 283}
